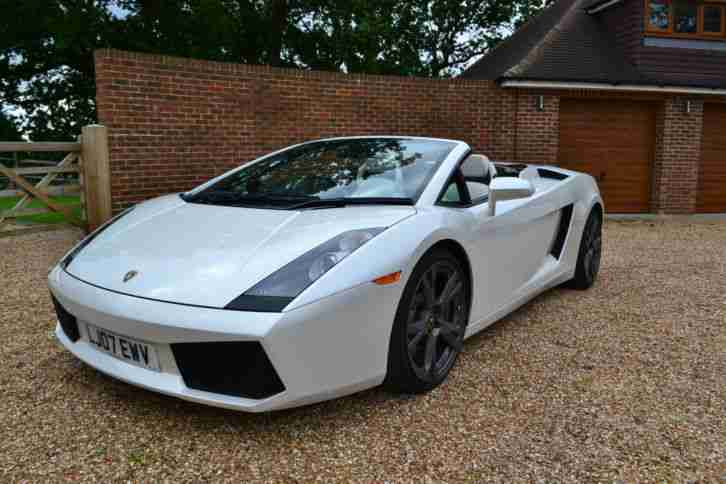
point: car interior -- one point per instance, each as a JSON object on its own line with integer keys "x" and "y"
{"x": 477, "y": 172}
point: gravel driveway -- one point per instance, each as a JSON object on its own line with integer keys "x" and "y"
{"x": 624, "y": 382}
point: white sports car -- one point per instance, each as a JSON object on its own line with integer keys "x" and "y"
{"x": 323, "y": 269}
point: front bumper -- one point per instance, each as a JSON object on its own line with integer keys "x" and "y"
{"x": 332, "y": 347}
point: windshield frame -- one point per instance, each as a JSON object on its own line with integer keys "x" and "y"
{"x": 456, "y": 146}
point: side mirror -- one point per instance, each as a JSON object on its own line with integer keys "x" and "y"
{"x": 508, "y": 188}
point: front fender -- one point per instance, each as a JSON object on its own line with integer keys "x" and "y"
{"x": 397, "y": 249}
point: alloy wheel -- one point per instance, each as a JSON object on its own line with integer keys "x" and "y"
{"x": 593, "y": 247}
{"x": 437, "y": 321}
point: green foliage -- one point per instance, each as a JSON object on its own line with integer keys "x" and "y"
{"x": 46, "y": 62}
{"x": 414, "y": 37}
{"x": 8, "y": 130}
{"x": 46, "y": 46}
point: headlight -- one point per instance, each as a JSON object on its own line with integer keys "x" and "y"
{"x": 279, "y": 289}
{"x": 68, "y": 258}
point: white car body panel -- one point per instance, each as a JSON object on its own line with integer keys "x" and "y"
{"x": 333, "y": 339}
{"x": 216, "y": 251}
{"x": 310, "y": 371}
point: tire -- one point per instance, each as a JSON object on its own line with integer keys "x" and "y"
{"x": 428, "y": 330}
{"x": 589, "y": 254}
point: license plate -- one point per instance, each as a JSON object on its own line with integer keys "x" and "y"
{"x": 124, "y": 348}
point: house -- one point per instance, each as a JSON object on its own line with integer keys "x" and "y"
{"x": 631, "y": 91}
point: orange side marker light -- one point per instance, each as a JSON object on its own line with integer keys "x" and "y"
{"x": 389, "y": 279}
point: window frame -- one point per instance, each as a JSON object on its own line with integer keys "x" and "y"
{"x": 649, "y": 27}
{"x": 700, "y": 32}
{"x": 458, "y": 177}
{"x": 673, "y": 20}
{"x": 702, "y": 21}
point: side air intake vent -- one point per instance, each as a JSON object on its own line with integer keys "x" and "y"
{"x": 562, "y": 231}
{"x": 551, "y": 174}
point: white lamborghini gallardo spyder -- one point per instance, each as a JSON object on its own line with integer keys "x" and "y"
{"x": 323, "y": 269}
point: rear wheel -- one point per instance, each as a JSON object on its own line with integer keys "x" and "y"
{"x": 428, "y": 332}
{"x": 588, "y": 258}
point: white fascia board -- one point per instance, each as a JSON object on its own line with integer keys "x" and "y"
{"x": 603, "y": 6}
{"x": 613, "y": 87}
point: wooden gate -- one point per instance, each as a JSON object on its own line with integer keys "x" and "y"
{"x": 86, "y": 161}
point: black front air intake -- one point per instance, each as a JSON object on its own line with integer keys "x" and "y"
{"x": 238, "y": 369}
{"x": 67, "y": 321}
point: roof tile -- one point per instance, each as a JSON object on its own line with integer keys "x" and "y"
{"x": 566, "y": 44}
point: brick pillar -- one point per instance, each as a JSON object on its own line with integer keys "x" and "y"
{"x": 502, "y": 124}
{"x": 678, "y": 155}
{"x": 537, "y": 128}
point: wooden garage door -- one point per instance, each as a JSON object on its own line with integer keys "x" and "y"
{"x": 712, "y": 173}
{"x": 614, "y": 141}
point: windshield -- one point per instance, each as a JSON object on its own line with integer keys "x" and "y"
{"x": 370, "y": 170}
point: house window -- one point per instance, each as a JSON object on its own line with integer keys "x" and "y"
{"x": 686, "y": 18}
{"x": 659, "y": 15}
{"x": 713, "y": 19}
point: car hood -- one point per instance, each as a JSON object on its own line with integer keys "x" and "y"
{"x": 208, "y": 255}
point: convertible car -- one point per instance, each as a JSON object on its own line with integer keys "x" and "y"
{"x": 323, "y": 269}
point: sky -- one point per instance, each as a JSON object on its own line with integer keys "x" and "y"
{"x": 118, "y": 11}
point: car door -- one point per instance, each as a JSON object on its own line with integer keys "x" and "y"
{"x": 511, "y": 247}
{"x": 507, "y": 249}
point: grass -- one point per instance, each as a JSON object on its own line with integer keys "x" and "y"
{"x": 6, "y": 203}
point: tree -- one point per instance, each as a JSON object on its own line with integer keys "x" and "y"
{"x": 8, "y": 130}
{"x": 46, "y": 65}
{"x": 413, "y": 37}
{"x": 225, "y": 30}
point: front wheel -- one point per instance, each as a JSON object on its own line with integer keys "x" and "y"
{"x": 590, "y": 253}
{"x": 428, "y": 332}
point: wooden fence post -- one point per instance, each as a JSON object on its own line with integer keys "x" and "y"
{"x": 97, "y": 175}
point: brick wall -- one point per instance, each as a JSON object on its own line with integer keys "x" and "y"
{"x": 678, "y": 155}
{"x": 655, "y": 187}
{"x": 174, "y": 123}
{"x": 537, "y": 132}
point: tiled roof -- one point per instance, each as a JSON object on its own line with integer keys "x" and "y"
{"x": 566, "y": 44}
{"x": 563, "y": 43}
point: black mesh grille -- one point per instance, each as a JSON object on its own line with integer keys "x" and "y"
{"x": 239, "y": 369}
{"x": 67, "y": 321}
